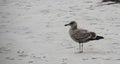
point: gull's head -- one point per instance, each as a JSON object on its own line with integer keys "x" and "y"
{"x": 72, "y": 24}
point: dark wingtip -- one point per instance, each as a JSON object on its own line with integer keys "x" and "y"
{"x": 99, "y": 37}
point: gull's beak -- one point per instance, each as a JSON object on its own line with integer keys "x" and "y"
{"x": 67, "y": 24}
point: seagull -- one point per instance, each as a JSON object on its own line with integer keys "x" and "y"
{"x": 81, "y": 35}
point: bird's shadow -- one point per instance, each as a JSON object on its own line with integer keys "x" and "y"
{"x": 93, "y": 52}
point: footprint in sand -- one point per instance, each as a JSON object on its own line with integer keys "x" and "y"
{"x": 85, "y": 59}
{"x": 118, "y": 59}
{"x": 10, "y": 58}
{"x": 45, "y": 11}
{"x": 64, "y": 61}
{"x": 93, "y": 58}
{"x": 107, "y": 59}
{"x": 30, "y": 61}
{"x": 22, "y": 54}
{"x": 4, "y": 50}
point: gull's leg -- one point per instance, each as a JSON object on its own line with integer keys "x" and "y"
{"x": 82, "y": 47}
{"x": 79, "y": 47}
